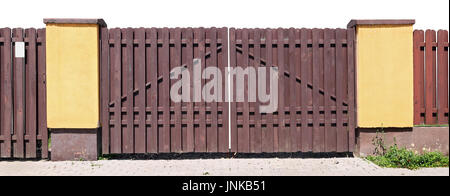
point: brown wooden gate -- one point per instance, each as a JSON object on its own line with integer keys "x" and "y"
{"x": 316, "y": 90}
{"x": 23, "y": 122}
{"x": 316, "y": 108}
{"x": 138, "y": 115}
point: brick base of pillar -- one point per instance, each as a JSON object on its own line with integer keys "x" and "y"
{"x": 75, "y": 144}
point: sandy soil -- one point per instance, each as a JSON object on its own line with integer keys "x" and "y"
{"x": 199, "y": 167}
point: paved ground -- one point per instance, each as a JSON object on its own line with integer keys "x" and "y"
{"x": 241, "y": 167}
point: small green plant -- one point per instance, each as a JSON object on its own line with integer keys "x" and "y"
{"x": 103, "y": 158}
{"x": 378, "y": 142}
{"x": 95, "y": 165}
{"x": 49, "y": 143}
{"x": 395, "y": 157}
{"x": 403, "y": 158}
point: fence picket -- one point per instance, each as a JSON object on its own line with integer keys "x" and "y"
{"x": 223, "y": 145}
{"x": 430, "y": 77}
{"x": 256, "y": 133}
{"x": 268, "y": 130}
{"x": 330, "y": 131}
{"x": 318, "y": 135}
{"x": 139, "y": 82}
{"x": 190, "y": 105}
{"x": 152, "y": 96}
{"x": 176, "y": 138}
{"x": 104, "y": 82}
{"x": 19, "y": 97}
{"x": 41, "y": 94}
{"x": 418, "y": 77}
{"x": 442, "y": 70}
{"x": 116, "y": 90}
{"x": 164, "y": 133}
{"x": 6, "y": 93}
{"x": 340, "y": 65}
{"x": 30, "y": 94}
{"x": 293, "y": 139}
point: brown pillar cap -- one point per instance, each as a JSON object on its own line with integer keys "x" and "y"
{"x": 98, "y": 21}
{"x": 354, "y": 23}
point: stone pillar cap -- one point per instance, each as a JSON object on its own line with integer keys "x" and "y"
{"x": 354, "y": 23}
{"x": 98, "y": 21}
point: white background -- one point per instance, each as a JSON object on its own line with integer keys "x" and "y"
{"x": 433, "y": 14}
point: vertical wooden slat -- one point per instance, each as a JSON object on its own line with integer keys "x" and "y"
{"x": 190, "y": 105}
{"x": 298, "y": 93}
{"x": 184, "y": 103}
{"x": 176, "y": 138}
{"x": 318, "y": 135}
{"x": 140, "y": 131}
{"x": 152, "y": 97}
{"x": 430, "y": 77}
{"x": 224, "y": 132}
{"x": 276, "y": 127}
{"x": 128, "y": 67}
{"x": 244, "y": 136}
{"x": 351, "y": 88}
{"x": 200, "y": 133}
{"x": 293, "y": 91}
{"x": 306, "y": 131}
{"x": 268, "y": 133}
{"x": 256, "y": 134}
{"x": 116, "y": 91}
{"x": 212, "y": 138}
{"x": 163, "y": 58}
{"x": 41, "y": 93}
{"x": 340, "y": 61}
{"x": 251, "y": 104}
{"x": 104, "y": 80}
{"x": 30, "y": 94}
{"x": 283, "y": 133}
{"x": 344, "y": 90}
{"x": 233, "y": 111}
{"x": 19, "y": 98}
{"x": 236, "y": 89}
{"x": 330, "y": 132}
{"x": 6, "y": 93}
{"x": 442, "y": 71}
{"x": 419, "y": 103}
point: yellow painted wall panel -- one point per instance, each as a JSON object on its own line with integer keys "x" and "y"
{"x": 385, "y": 75}
{"x": 72, "y": 75}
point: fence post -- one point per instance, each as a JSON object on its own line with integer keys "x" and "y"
{"x": 384, "y": 73}
{"x": 73, "y": 92}
{"x": 384, "y": 81}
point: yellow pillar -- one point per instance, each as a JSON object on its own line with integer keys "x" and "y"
{"x": 384, "y": 73}
{"x": 72, "y": 47}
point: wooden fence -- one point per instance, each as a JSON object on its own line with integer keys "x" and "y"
{"x": 430, "y": 77}
{"x": 316, "y": 87}
{"x": 316, "y": 108}
{"x": 138, "y": 115}
{"x": 23, "y": 124}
